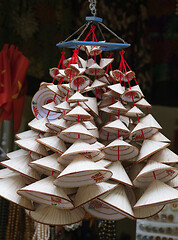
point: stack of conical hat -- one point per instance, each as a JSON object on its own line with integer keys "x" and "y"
{"x": 92, "y": 145}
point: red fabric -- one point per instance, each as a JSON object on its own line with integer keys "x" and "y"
{"x": 13, "y": 84}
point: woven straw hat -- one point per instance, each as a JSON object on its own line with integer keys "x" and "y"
{"x": 98, "y": 145}
{"x": 150, "y": 121}
{"x": 159, "y": 137}
{"x": 162, "y": 172}
{"x": 65, "y": 89}
{"x": 20, "y": 165}
{"x": 54, "y": 143}
{"x": 118, "y": 106}
{"x": 55, "y": 90}
{"x": 42, "y": 97}
{"x": 142, "y": 131}
{"x": 92, "y": 104}
{"x": 39, "y": 124}
{"x": 32, "y": 145}
{"x": 104, "y": 79}
{"x": 78, "y": 112}
{"x": 53, "y": 216}
{"x": 76, "y": 131}
{"x": 117, "y": 88}
{"x": 104, "y": 62}
{"x": 77, "y": 97}
{"x": 64, "y": 106}
{"x": 142, "y": 103}
{"x": 57, "y": 125}
{"x": 82, "y": 62}
{"x": 174, "y": 182}
{"x": 80, "y": 82}
{"x": 17, "y": 153}
{"x": 120, "y": 150}
{"x": 89, "y": 125}
{"x": 95, "y": 69}
{"x": 128, "y": 76}
{"x": 48, "y": 165}
{"x": 119, "y": 173}
{"x": 133, "y": 93}
{"x": 78, "y": 147}
{"x": 27, "y": 134}
{"x": 100, "y": 210}
{"x": 111, "y": 93}
{"x": 117, "y": 75}
{"x": 51, "y": 107}
{"x": 147, "y": 211}
{"x": 157, "y": 193}
{"x": 98, "y": 84}
{"x": 150, "y": 147}
{"x": 104, "y": 162}
{"x": 134, "y": 112}
{"x": 108, "y": 136}
{"x": 118, "y": 200}
{"x": 45, "y": 192}
{"x": 8, "y": 190}
{"x": 116, "y": 125}
{"x": 165, "y": 156}
{"x": 106, "y": 102}
{"x": 86, "y": 194}
{"x": 81, "y": 172}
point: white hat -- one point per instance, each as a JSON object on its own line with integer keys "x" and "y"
{"x": 54, "y": 143}
{"x": 27, "y": 134}
{"x": 134, "y": 112}
{"x": 64, "y": 106}
{"x": 165, "y": 156}
{"x": 142, "y": 103}
{"x": 75, "y": 132}
{"x": 92, "y": 104}
{"x": 55, "y": 90}
{"x": 158, "y": 136}
{"x": 117, "y": 88}
{"x": 39, "y": 124}
{"x": 51, "y": 107}
{"x": 95, "y": 69}
{"x": 77, "y": 97}
{"x": 78, "y": 113}
{"x": 81, "y": 172}
{"x": 57, "y": 125}
{"x": 45, "y": 192}
{"x": 53, "y": 216}
{"x": 17, "y": 153}
{"x": 117, "y": 75}
{"x": 150, "y": 147}
{"x": 116, "y": 126}
{"x": 80, "y": 82}
{"x": 104, "y": 62}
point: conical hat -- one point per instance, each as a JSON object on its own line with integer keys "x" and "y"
{"x": 142, "y": 131}
{"x": 77, "y": 97}
{"x": 54, "y": 143}
{"x": 76, "y": 131}
{"x": 57, "y": 124}
{"x": 107, "y": 110}
{"x": 48, "y": 165}
{"x": 64, "y": 106}
{"x": 104, "y": 79}
{"x": 134, "y": 112}
{"x": 86, "y": 194}
{"x": 142, "y": 103}
{"x": 27, "y": 134}
{"x": 76, "y": 112}
{"x": 82, "y": 61}
{"x": 17, "y": 153}
{"x": 20, "y": 165}
{"x": 95, "y": 69}
{"x": 126, "y": 152}
{"x": 165, "y": 156}
{"x": 100, "y": 210}
{"x": 55, "y": 89}
{"x": 98, "y": 84}
{"x": 92, "y": 104}
{"x": 157, "y": 193}
{"x": 45, "y": 192}
{"x": 32, "y": 145}
{"x": 53, "y": 72}
{"x": 150, "y": 147}
{"x": 111, "y": 93}
{"x": 128, "y": 76}
{"x": 82, "y": 171}
{"x": 117, "y": 75}
{"x": 94, "y": 132}
{"x": 161, "y": 171}
{"x": 42, "y": 97}
{"x": 134, "y": 93}
{"x": 117, "y": 198}
{"x": 147, "y": 211}
{"x": 65, "y": 89}
{"x": 98, "y": 145}
{"x": 108, "y": 136}
{"x": 76, "y": 67}
{"x": 150, "y": 121}
{"x": 71, "y": 71}
{"x": 173, "y": 183}
{"x": 115, "y": 126}
{"x": 119, "y": 173}
{"x": 53, "y": 216}
{"x": 135, "y": 169}
{"x": 51, "y": 107}
{"x": 118, "y": 106}
{"x": 159, "y": 137}
{"x": 82, "y": 104}
{"x": 78, "y": 147}
{"x": 105, "y": 163}
{"x": 5, "y": 173}
{"x": 39, "y": 124}
{"x": 106, "y": 101}
{"x": 104, "y": 62}
{"x": 117, "y": 88}
{"x": 80, "y": 82}
{"x": 8, "y": 190}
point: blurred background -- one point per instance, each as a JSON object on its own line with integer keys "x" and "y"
{"x": 36, "y": 26}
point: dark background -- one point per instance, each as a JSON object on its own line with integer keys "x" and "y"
{"x": 150, "y": 26}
